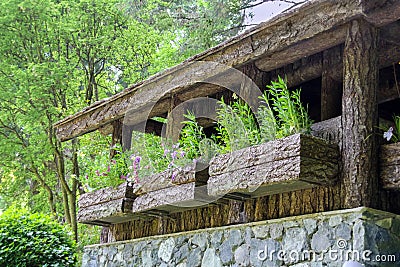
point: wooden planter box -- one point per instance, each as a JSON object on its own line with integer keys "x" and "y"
{"x": 195, "y": 172}
{"x": 107, "y": 205}
{"x": 288, "y": 164}
{"x": 160, "y": 194}
{"x": 390, "y": 166}
{"x": 154, "y": 194}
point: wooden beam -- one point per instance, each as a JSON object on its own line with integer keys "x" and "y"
{"x": 381, "y": 12}
{"x": 199, "y": 107}
{"x": 150, "y": 126}
{"x": 360, "y": 115}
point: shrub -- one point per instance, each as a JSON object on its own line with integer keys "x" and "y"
{"x": 34, "y": 240}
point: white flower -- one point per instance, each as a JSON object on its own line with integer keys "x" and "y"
{"x": 388, "y": 134}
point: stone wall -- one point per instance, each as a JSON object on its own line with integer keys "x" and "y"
{"x": 321, "y": 239}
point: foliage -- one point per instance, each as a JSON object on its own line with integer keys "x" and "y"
{"x": 88, "y": 235}
{"x": 237, "y": 126}
{"x": 192, "y": 25}
{"x": 194, "y": 141}
{"x": 191, "y": 135}
{"x": 266, "y": 120}
{"x": 34, "y": 240}
{"x": 102, "y": 171}
{"x": 291, "y": 115}
{"x": 56, "y": 57}
{"x": 280, "y": 114}
{"x": 148, "y": 155}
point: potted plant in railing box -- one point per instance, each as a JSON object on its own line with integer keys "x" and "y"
{"x": 109, "y": 195}
{"x": 155, "y": 175}
{"x": 272, "y": 152}
{"x": 390, "y": 157}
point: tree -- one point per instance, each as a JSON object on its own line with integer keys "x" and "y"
{"x": 54, "y": 58}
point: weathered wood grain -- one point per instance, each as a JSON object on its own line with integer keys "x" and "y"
{"x": 171, "y": 199}
{"x": 195, "y": 172}
{"x": 390, "y": 154}
{"x": 113, "y": 211}
{"x": 288, "y": 147}
{"x": 360, "y": 114}
{"x": 390, "y": 177}
{"x": 330, "y": 130}
{"x": 389, "y": 160}
{"x": 299, "y": 160}
{"x": 125, "y": 190}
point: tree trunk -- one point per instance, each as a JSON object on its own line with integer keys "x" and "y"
{"x": 74, "y": 188}
{"x": 50, "y": 194}
{"x": 359, "y": 115}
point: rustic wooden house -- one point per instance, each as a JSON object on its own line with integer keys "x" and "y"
{"x": 343, "y": 187}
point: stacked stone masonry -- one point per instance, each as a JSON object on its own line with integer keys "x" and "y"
{"x": 320, "y": 239}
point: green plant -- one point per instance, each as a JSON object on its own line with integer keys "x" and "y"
{"x": 100, "y": 171}
{"x": 194, "y": 141}
{"x": 291, "y": 116}
{"x": 191, "y": 135}
{"x": 34, "y": 240}
{"x": 151, "y": 154}
{"x": 87, "y": 235}
{"x": 237, "y": 127}
{"x": 266, "y": 119}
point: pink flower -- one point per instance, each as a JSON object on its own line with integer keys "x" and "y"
{"x": 108, "y": 168}
{"x": 173, "y": 155}
{"x": 166, "y": 151}
{"x": 138, "y": 159}
{"x": 124, "y": 177}
{"x": 97, "y": 172}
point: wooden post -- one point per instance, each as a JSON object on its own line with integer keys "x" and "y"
{"x": 359, "y": 115}
{"x": 246, "y": 90}
{"x": 331, "y": 88}
{"x": 172, "y": 132}
{"x": 116, "y": 136}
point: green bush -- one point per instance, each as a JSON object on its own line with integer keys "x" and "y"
{"x": 34, "y": 240}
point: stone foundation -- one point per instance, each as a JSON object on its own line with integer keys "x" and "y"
{"x": 321, "y": 239}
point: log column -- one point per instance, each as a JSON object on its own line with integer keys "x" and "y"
{"x": 331, "y": 87}
{"x": 359, "y": 115}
